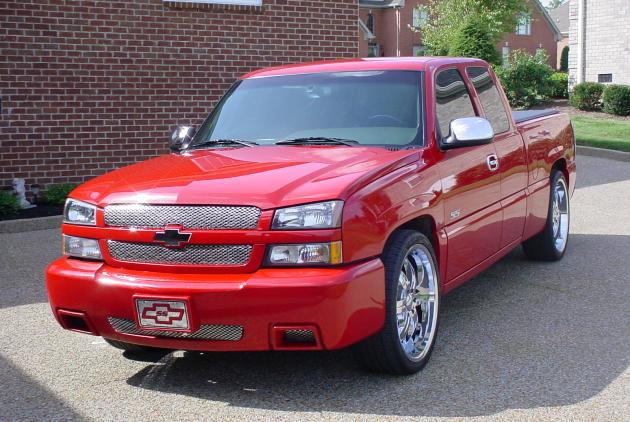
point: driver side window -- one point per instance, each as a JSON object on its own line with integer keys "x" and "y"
{"x": 452, "y": 99}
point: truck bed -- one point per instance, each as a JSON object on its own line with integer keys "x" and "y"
{"x": 524, "y": 115}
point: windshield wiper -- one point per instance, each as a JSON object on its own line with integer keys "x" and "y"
{"x": 325, "y": 140}
{"x": 222, "y": 142}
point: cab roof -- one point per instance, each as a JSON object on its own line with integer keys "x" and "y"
{"x": 357, "y": 65}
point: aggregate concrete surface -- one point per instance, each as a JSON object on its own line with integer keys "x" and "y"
{"x": 522, "y": 341}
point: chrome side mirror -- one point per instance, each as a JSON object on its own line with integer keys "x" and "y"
{"x": 468, "y": 131}
{"x": 181, "y": 138}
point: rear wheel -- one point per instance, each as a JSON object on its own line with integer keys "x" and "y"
{"x": 551, "y": 243}
{"x": 412, "y": 300}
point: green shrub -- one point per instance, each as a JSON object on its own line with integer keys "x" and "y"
{"x": 57, "y": 194}
{"x": 525, "y": 78}
{"x": 8, "y": 203}
{"x": 616, "y": 100}
{"x": 474, "y": 40}
{"x": 559, "y": 85}
{"x": 564, "y": 59}
{"x": 587, "y": 96}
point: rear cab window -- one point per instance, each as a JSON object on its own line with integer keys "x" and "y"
{"x": 490, "y": 99}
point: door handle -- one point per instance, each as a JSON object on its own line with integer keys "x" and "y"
{"x": 493, "y": 162}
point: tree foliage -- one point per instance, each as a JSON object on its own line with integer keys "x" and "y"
{"x": 526, "y": 78}
{"x": 564, "y": 59}
{"x": 553, "y": 4}
{"x": 474, "y": 40}
{"x": 447, "y": 18}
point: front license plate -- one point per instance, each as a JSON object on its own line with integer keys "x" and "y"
{"x": 162, "y": 314}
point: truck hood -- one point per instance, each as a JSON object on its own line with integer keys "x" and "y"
{"x": 266, "y": 177}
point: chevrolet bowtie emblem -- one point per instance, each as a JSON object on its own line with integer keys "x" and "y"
{"x": 172, "y": 238}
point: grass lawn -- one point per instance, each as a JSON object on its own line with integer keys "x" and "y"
{"x": 602, "y": 133}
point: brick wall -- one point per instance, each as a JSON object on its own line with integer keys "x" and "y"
{"x": 88, "y": 86}
{"x": 542, "y": 36}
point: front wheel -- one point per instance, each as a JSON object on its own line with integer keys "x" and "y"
{"x": 412, "y": 303}
{"x": 551, "y": 243}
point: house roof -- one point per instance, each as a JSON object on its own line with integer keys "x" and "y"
{"x": 560, "y": 16}
{"x": 550, "y": 21}
{"x": 381, "y": 4}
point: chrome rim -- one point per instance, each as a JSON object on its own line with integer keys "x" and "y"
{"x": 560, "y": 215}
{"x": 417, "y": 303}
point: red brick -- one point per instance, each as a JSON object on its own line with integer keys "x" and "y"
{"x": 76, "y": 78}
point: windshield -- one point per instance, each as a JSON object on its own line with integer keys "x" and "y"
{"x": 371, "y": 107}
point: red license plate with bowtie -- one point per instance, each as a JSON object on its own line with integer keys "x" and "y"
{"x": 162, "y": 314}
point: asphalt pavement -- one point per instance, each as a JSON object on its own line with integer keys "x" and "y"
{"x": 522, "y": 341}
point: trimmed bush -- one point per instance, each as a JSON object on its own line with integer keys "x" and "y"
{"x": 57, "y": 194}
{"x": 564, "y": 60}
{"x": 616, "y": 100}
{"x": 587, "y": 96}
{"x": 525, "y": 78}
{"x": 559, "y": 85}
{"x": 8, "y": 203}
{"x": 474, "y": 40}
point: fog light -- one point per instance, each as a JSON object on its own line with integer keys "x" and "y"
{"x": 305, "y": 254}
{"x": 81, "y": 247}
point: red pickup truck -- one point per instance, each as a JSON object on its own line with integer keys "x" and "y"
{"x": 319, "y": 206}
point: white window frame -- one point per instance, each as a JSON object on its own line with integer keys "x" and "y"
{"x": 419, "y": 17}
{"x": 224, "y": 2}
{"x": 524, "y": 25}
{"x": 505, "y": 55}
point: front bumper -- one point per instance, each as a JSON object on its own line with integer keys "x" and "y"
{"x": 345, "y": 305}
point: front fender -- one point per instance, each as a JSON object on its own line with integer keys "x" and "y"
{"x": 372, "y": 213}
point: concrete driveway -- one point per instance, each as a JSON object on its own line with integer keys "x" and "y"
{"x": 523, "y": 341}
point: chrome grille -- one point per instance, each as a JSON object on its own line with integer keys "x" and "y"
{"x": 299, "y": 336}
{"x": 189, "y": 254}
{"x": 201, "y": 217}
{"x": 205, "y": 332}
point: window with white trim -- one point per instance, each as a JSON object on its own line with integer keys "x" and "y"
{"x": 524, "y": 25}
{"x": 419, "y": 17}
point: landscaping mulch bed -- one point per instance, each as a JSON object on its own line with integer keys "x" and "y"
{"x": 39, "y": 211}
{"x": 563, "y": 106}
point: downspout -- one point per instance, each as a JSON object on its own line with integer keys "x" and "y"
{"x": 581, "y": 44}
{"x": 398, "y": 32}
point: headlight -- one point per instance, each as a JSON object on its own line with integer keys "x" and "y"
{"x": 80, "y": 247}
{"x": 322, "y": 215}
{"x": 305, "y": 254}
{"x": 79, "y": 212}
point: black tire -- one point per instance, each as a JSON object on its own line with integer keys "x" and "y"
{"x": 129, "y": 347}
{"x": 543, "y": 246}
{"x": 383, "y": 351}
